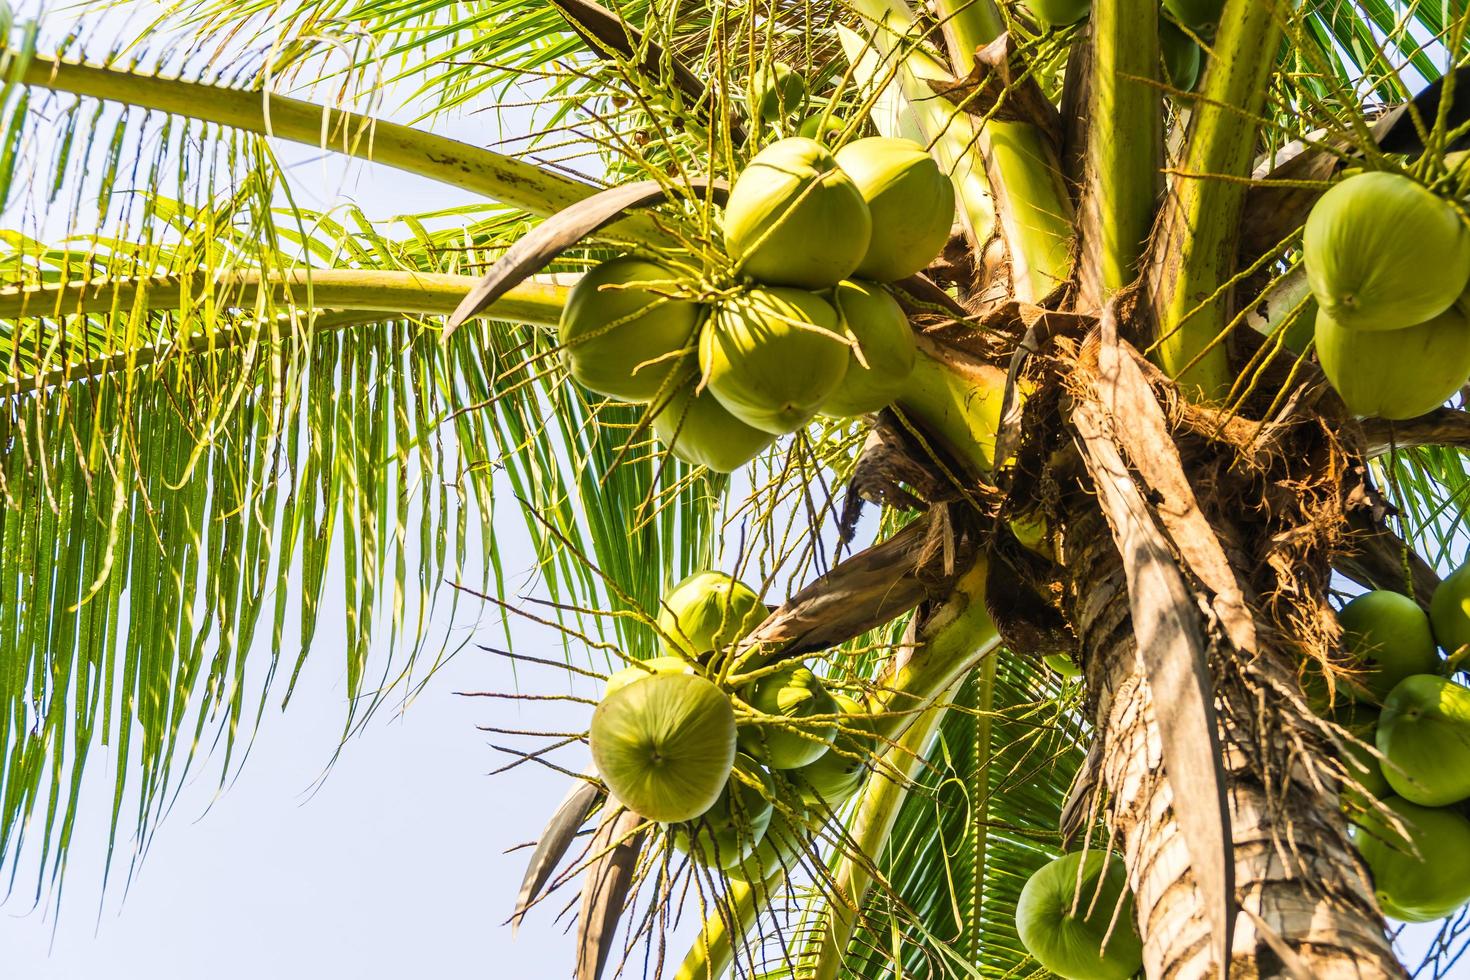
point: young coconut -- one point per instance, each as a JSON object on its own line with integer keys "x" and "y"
{"x": 665, "y": 745}
{"x": 1426, "y": 877}
{"x": 776, "y": 91}
{"x": 839, "y": 772}
{"x": 792, "y": 694}
{"x": 1424, "y": 735}
{"x": 708, "y": 611}
{"x": 1197, "y": 15}
{"x": 1059, "y": 13}
{"x": 726, "y": 833}
{"x": 1181, "y": 57}
{"x": 1449, "y": 610}
{"x": 1388, "y": 634}
{"x": 911, "y": 202}
{"x": 643, "y": 670}
{"x": 1033, "y": 534}
{"x": 1064, "y": 913}
{"x": 1362, "y": 765}
{"x": 1384, "y": 253}
{"x": 794, "y": 218}
{"x": 772, "y": 356}
{"x": 813, "y": 128}
{"x": 1395, "y": 374}
{"x": 875, "y": 320}
{"x": 624, "y": 341}
{"x": 696, "y": 428}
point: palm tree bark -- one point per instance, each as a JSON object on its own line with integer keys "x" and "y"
{"x": 1295, "y": 867}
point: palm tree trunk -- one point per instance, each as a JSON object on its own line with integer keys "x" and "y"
{"x": 1294, "y": 864}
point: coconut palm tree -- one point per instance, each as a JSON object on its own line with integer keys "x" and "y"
{"x": 1116, "y": 444}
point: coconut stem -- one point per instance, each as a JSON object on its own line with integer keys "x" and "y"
{"x": 1125, "y": 147}
{"x": 498, "y": 177}
{"x": 1198, "y": 240}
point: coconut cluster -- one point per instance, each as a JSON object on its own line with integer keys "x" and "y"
{"x": 1180, "y": 23}
{"x": 808, "y": 325}
{"x": 1388, "y": 262}
{"x": 730, "y": 768}
{"x": 1418, "y": 722}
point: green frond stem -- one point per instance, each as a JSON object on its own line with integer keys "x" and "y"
{"x": 877, "y": 809}
{"x": 1198, "y": 241}
{"x": 1125, "y": 144}
{"x": 1033, "y": 205}
{"x": 1028, "y": 194}
{"x": 713, "y": 953}
{"x": 954, "y": 639}
{"x": 956, "y": 401}
{"x": 343, "y": 291}
{"x": 497, "y": 177}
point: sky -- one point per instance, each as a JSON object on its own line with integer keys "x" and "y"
{"x": 391, "y": 866}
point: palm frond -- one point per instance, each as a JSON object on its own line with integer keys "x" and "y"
{"x": 983, "y": 816}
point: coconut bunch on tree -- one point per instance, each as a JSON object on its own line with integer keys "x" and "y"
{"x": 793, "y": 320}
{"x": 715, "y": 741}
{"x": 1406, "y": 722}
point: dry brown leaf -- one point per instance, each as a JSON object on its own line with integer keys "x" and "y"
{"x": 605, "y": 888}
{"x": 534, "y": 250}
{"x": 1169, "y": 632}
{"x": 1143, "y": 433}
{"x": 560, "y": 831}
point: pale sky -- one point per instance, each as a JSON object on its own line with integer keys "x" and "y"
{"x": 393, "y": 867}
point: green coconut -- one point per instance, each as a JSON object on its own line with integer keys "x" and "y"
{"x": 1033, "y": 534}
{"x": 696, "y": 428}
{"x": 729, "y": 831}
{"x": 911, "y": 202}
{"x": 1395, "y": 374}
{"x": 1059, "y": 13}
{"x": 792, "y": 694}
{"x": 708, "y": 611}
{"x": 1182, "y": 57}
{"x": 1363, "y": 768}
{"x": 1449, "y": 610}
{"x": 838, "y": 773}
{"x": 813, "y": 128}
{"x": 1383, "y": 253}
{"x": 780, "y": 847}
{"x": 773, "y": 356}
{"x": 1062, "y": 921}
{"x": 1197, "y": 15}
{"x": 1063, "y": 665}
{"x": 875, "y": 320}
{"x": 1426, "y": 877}
{"x": 795, "y": 218}
{"x": 1424, "y": 735}
{"x": 624, "y": 341}
{"x": 645, "y": 669}
{"x": 776, "y": 90}
{"x": 1388, "y": 636}
{"x": 665, "y": 745}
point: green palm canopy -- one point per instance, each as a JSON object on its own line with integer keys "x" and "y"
{"x": 213, "y": 393}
